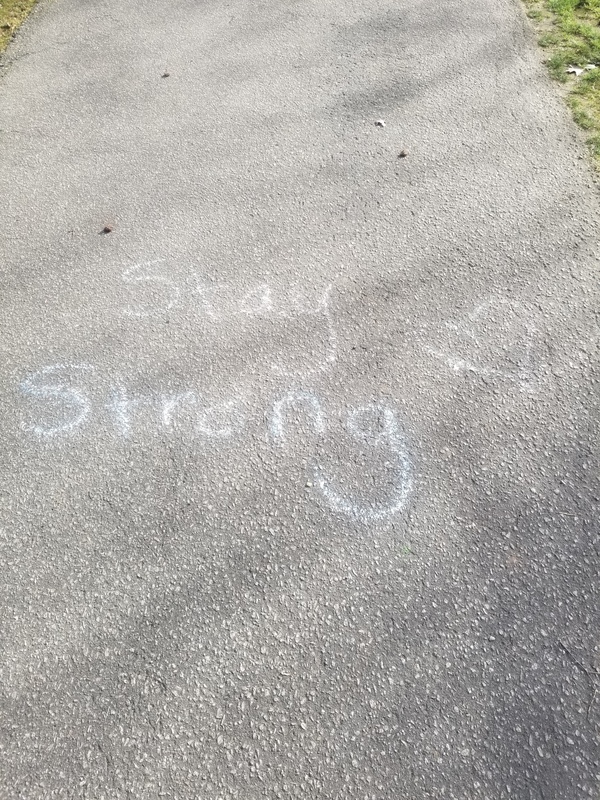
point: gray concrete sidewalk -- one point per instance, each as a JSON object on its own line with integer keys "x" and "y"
{"x": 300, "y": 467}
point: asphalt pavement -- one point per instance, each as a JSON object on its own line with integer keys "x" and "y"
{"x": 299, "y": 362}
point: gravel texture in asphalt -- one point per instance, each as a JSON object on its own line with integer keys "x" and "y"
{"x": 300, "y": 474}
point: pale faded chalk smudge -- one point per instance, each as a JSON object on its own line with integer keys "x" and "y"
{"x": 204, "y": 292}
{"x": 257, "y": 301}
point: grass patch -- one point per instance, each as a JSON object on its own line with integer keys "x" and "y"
{"x": 12, "y": 14}
{"x": 569, "y": 30}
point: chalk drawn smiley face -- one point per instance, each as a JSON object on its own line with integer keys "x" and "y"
{"x": 496, "y": 340}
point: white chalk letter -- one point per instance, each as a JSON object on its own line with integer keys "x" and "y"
{"x": 142, "y": 273}
{"x": 377, "y": 426}
{"x": 64, "y": 400}
{"x": 171, "y": 402}
{"x": 122, "y": 406}
{"x": 292, "y": 400}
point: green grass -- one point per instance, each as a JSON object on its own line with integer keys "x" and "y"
{"x": 569, "y": 30}
{"x": 12, "y": 14}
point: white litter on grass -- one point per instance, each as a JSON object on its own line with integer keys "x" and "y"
{"x": 579, "y": 70}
